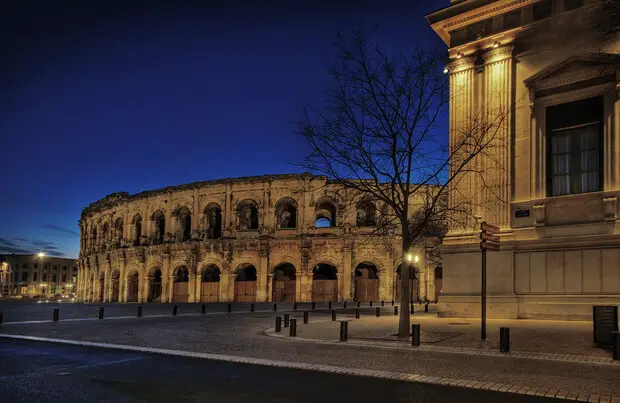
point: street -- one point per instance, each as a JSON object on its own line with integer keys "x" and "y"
{"x": 46, "y": 372}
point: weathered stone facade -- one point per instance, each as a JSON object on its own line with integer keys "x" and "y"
{"x": 548, "y": 64}
{"x": 224, "y": 240}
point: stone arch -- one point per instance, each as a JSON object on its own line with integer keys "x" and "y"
{"x": 155, "y": 284}
{"x": 184, "y": 222}
{"x": 93, "y": 235}
{"x": 247, "y": 215}
{"x": 366, "y": 213}
{"x": 246, "y": 275}
{"x": 324, "y": 282}
{"x": 158, "y": 220}
{"x": 213, "y": 220}
{"x": 286, "y": 213}
{"x": 210, "y": 283}
{"x": 118, "y": 229}
{"x": 105, "y": 232}
{"x": 326, "y": 212}
{"x": 180, "y": 287}
{"x": 137, "y": 229}
{"x": 284, "y": 287}
{"x": 133, "y": 284}
{"x": 115, "y": 276}
{"x": 366, "y": 284}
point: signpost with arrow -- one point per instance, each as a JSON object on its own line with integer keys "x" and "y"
{"x": 489, "y": 241}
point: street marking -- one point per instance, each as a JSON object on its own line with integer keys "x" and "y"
{"x": 407, "y": 377}
{"x": 99, "y": 364}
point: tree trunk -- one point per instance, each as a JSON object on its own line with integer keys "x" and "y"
{"x": 403, "y": 320}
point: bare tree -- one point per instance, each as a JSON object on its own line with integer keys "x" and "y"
{"x": 378, "y": 137}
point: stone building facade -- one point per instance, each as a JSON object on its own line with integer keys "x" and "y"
{"x": 267, "y": 238}
{"x": 555, "y": 66}
{"x": 38, "y": 275}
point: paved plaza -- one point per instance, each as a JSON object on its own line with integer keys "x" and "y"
{"x": 539, "y": 363}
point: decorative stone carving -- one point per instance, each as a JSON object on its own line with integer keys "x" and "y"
{"x": 462, "y": 64}
{"x": 539, "y": 214}
{"x": 610, "y": 208}
{"x": 497, "y": 54}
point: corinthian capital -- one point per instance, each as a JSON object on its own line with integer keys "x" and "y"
{"x": 462, "y": 64}
{"x": 497, "y": 54}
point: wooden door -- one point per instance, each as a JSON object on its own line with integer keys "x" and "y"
{"x": 284, "y": 291}
{"x": 210, "y": 291}
{"x": 324, "y": 290}
{"x": 366, "y": 289}
{"x": 245, "y": 291}
{"x": 180, "y": 292}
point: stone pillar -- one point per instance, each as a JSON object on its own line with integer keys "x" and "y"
{"x": 191, "y": 287}
{"x": 170, "y": 288}
{"x": 143, "y": 288}
{"x": 269, "y": 296}
{"x": 263, "y": 285}
{"x": 227, "y": 283}
{"x": 305, "y": 287}
{"x": 198, "y": 288}
{"x": 345, "y": 282}
{"x": 125, "y": 288}
{"x": 422, "y": 284}
{"x": 165, "y": 276}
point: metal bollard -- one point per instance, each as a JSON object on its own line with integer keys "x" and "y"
{"x": 504, "y": 339}
{"x": 333, "y": 315}
{"x": 344, "y": 330}
{"x": 329, "y": 305}
{"x": 345, "y": 304}
{"x": 357, "y": 313}
{"x": 100, "y": 312}
{"x": 203, "y": 309}
{"x": 229, "y": 307}
{"x": 370, "y": 304}
{"x": 415, "y": 334}
{"x": 175, "y": 308}
{"x": 286, "y": 319}
{"x": 294, "y": 306}
{"x": 305, "y": 316}
{"x": 278, "y": 324}
{"x": 411, "y": 310}
{"x": 616, "y": 346}
{"x": 313, "y": 306}
{"x": 358, "y": 304}
{"x": 392, "y": 302}
{"x": 377, "y": 312}
{"x": 251, "y": 307}
{"x": 275, "y": 307}
{"x": 1, "y": 316}
{"x": 426, "y": 307}
{"x": 56, "y": 314}
{"x": 293, "y": 329}
{"x": 395, "y": 310}
{"x": 139, "y": 311}
{"x": 382, "y": 303}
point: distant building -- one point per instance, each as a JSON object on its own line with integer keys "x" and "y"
{"x": 37, "y": 275}
{"x": 554, "y": 65}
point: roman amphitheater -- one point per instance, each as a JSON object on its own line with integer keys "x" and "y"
{"x": 267, "y": 238}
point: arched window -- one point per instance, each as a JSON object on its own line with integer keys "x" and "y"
{"x": 325, "y": 213}
{"x": 118, "y": 228}
{"x": 104, "y": 233}
{"x": 159, "y": 226}
{"x": 185, "y": 223}
{"x": 137, "y": 223}
{"x": 94, "y": 236}
{"x": 247, "y": 211}
{"x": 213, "y": 221}
{"x": 286, "y": 213}
{"x": 366, "y": 214}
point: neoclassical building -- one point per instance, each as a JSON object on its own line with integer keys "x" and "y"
{"x": 266, "y": 238}
{"x": 554, "y": 66}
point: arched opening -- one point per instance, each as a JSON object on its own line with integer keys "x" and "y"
{"x": 438, "y": 281}
{"x": 366, "y": 214}
{"x": 366, "y": 282}
{"x": 132, "y": 287}
{"x": 180, "y": 289}
{"x": 286, "y": 213}
{"x": 118, "y": 230}
{"x": 245, "y": 283}
{"x": 324, "y": 283}
{"x": 213, "y": 221}
{"x": 101, "y": 286}
{"x": 185, "y": 224}
{"x": 247, "y": 211}
{"x": 413, "y": 283}
{"x": 105, "y": 233}
{"x": 115, "y": 283}
{"x": 154, "y": 294}
{"x": 137, "y": 232}
{"x": 325, "y": 213}
{"x": 159, "y": 227}
{"x": 210, "y": 284}
{"x": 94, "y": 236}
{"x": 284, "y": 283}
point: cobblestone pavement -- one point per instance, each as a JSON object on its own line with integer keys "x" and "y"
{"x": 243, "y": 335}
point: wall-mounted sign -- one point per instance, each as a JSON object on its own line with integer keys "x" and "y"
{"x": 522, "y": 213}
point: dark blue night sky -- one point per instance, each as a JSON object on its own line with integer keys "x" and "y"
{"x": 100, "y": 97}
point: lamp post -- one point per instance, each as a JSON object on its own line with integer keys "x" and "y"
{"x": 41, "y": 255}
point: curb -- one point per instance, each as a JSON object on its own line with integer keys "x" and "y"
{"x": 406, "y": 377}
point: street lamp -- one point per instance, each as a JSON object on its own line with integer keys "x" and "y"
{"x": 409, "y": 257}
{"x": 41, "y": 254}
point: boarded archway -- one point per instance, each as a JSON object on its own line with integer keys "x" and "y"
{"x": 366, "y": 282}
{"x": 245, "y": 283}
{"x": 324, "y": 283}
{"x": 114, "y": 278}
{"x": 284, "y": 283}
{"x": 154, "y": 286}
{"x": 210, "y": 284}
{"x": 180, "y": 289}
{"x": 413, "y": 283}
{"x": 132, "y": 287}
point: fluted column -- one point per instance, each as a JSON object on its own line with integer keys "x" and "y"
{"x": 165, "y": 276}
{"x": 191, "y": 287}
{"x": 496, "y": 192}
{"x": 269, "y": 296}
{"x": 170, "y": 288}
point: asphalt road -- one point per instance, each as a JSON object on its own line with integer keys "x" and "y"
{"x": 46, "y": 372}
